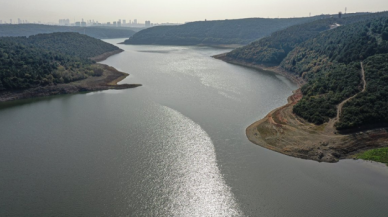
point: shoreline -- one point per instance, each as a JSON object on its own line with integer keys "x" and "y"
{"x": 274, "y": 69}
{"x": 106, "y": 55}
{"x": 222, "y": 46}
{"x": 107, "y": 81}
{"x": 286, "y": 133}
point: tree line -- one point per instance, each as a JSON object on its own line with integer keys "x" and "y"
{"x": 328, "y": 57}
{"x": 241, "y": 31}
{"x": 48, "y": 59}
{"x": 273, "y": 49}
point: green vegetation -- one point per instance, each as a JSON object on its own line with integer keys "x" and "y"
{"x": 323, "y": 94}
{"x": 7, "y": 30}
{"x": 48, "y": 59}
{"x": 379, "y": 155}
{"x": 331, "y": 64}
{"x": 222, "y": 32}
{"x": 72, "y": 44}
{"x": 370, "y": 107}
{"x": 272, "y": 50}
{"x": 327, "y": 54}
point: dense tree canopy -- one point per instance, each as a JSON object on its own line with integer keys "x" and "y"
{"x": 242, "y": 31}
{"x": 371, "y": 106}
{"x": 330, "y": 63}
{"x": 273, "y": 49}
{"x": 48, "y": 59}
{"x": 327, "y": 53}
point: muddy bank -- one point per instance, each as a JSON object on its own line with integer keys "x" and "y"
{"x": 223, "y": 46}
{"x": 108, "y": 80}
{"x": 275, "y": 69}
{"x": 106, "y": 55}
{"x": 284, "y": 132}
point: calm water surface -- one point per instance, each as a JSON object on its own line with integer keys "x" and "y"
{"x": 174, "y": 147}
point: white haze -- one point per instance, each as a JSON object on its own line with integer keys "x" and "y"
{"x": 176, "y": 11}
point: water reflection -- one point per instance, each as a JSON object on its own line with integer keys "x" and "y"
{"x": 189, "y": 182}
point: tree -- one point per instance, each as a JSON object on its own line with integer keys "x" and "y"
{"x": 1, "y": 86}
{"x": 384, "y": 35}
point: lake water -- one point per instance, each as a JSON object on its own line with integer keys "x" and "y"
{"x": 174, "y": 147}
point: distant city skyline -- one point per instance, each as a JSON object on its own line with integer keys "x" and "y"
{"x": 174, "y": 11}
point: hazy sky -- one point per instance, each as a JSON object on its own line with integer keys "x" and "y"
{"x": 176, "y": 11}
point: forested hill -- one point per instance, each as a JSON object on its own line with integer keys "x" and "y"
{"x": 7, "y": 30}
{"x": 222, "y": 32}
{"x": 330, "y": 62}
{"x": 48, "y": 59}
{"x": 72, "y": 44}
{"x": 272, "y": 50}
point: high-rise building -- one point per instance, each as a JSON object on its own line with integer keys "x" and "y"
{"x": 148, "y": 23}
{"x": 64, "y": 22}
{"x": 124, "y": 22}
{"x": 10, "y": 21}
{"x": 114, "y": 23}
{"x": 119, "y": 23}
{"x": 1, "y": 22}
{"x": 77, "y": 23}
{"x": 135, "y": 21}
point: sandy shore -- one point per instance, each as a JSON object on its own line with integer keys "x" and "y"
{"x": 108, "y": 80}
{"x": 284, "y": 132}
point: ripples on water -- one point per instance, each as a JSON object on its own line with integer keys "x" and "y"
{"x": 174, "y": 147}
{"x": 190, "y": 183}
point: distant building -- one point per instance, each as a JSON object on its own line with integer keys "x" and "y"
{"x": 64, "y": 22}
{"x": 114, "y": 23}
{"x": 135, "y": 21}
{"x": 83, "y": 24}
{"x": 148, "y": 23}
{"x": 119, "y": 23}
{"x": 77, "y": 23}
{"x": 1, "y": 22}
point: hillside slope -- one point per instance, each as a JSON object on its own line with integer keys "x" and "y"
{"x": 48, "y": 59}
{"x": 7, "y": 30}
{"x": 273, "y": 49}
{"x": 330, "y": 63}
{"x": 342, "y": 109}
{"x": 222, "y": 32}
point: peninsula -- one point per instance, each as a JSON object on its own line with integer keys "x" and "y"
{"x": 341, "y": 66}
{"x": 56, "y": 63}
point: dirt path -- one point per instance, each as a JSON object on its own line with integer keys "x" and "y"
{"x": 339, "y": 109}
{"x": 284, "y": 132}
{"x": 330, "y": 126}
